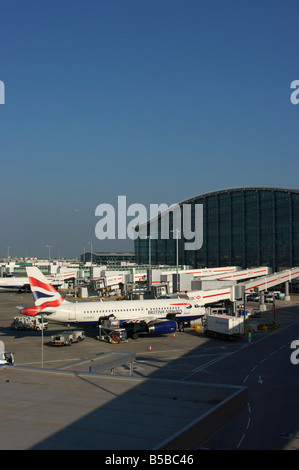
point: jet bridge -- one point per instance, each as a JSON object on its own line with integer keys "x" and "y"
{"x": 210, "y": 296}
{"x": 232, "y": 293}
{"x": 219, "y": 281}
{"x": 239, "y": 275}
{"x": 271, "y": 280}
{"x": 264, "y": 283}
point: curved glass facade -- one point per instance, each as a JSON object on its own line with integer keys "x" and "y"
{"x": 241, "y": 227}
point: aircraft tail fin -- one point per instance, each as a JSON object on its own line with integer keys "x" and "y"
{"x": 45, "y": 295}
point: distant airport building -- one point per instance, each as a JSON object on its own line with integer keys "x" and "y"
{"x": 109, "y": 258}
{"x": 244, "y": 227}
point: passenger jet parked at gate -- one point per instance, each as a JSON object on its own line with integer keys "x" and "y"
{"x": 156, "y": 316}
{"x": 23, "y": 285}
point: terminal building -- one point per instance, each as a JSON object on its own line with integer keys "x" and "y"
{"x": 244, "y": 227}
{"x": 108, "y": 258}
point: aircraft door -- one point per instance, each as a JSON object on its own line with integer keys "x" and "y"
{"x": 72, "y": 312}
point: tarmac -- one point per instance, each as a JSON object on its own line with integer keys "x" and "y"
{"x": 73, "y": 410}
{"x": 95, "y": 395}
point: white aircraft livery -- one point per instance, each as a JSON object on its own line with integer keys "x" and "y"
{"x": 159, "y": 316}
{"x": 23, "y": 284}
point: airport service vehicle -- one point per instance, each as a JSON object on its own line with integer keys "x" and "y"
{"x": 67, "y": 338}
{"x": 6, "y": 358}
{"x": 253, "y": 297}
{"x": 269, "y": 297}
{"x": 160, "y": 316}
{"x": 279, "y": 295}
{"x": 110, "y": 331}
{"x": 36, "y": 323}
{"x": 224, "y": 326}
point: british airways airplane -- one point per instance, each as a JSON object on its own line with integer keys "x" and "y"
{"x": 23, "y": 284}
{"x": 159, "y": 316}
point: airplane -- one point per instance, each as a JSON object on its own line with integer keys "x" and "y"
{"x": 22, "y": 284}
{"x": 153, "y": 316}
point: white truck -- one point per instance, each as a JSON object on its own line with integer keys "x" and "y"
{"x": 67, "y": 338}
{"x": 36, "y": 323}
{"x": 224, "y": 326}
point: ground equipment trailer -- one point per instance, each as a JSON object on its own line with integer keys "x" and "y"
{"x": 67, "y": 338}
{"x": 110, "y": 331}
{"x": 36, "y": 323}
{"x": 224, "y": 326}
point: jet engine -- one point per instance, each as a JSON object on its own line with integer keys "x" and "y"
{"x": 161, "y": 327}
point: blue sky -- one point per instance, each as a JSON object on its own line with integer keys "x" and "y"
{"x": 155, "y": 100}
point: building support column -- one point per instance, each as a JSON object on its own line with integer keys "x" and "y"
{"x": 263, "y": 306}
{"x": 287, "y": 291}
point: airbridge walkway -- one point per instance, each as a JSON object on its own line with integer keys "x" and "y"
{"x": 236, "y": 291}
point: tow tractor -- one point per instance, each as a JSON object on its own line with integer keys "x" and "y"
{"x": 67, "y": 338}
{"x": 110, "y": 331}
{"x": 6, "y": 358}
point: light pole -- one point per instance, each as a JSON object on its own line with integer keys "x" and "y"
{"x": 177, "y": 257}
{"x": 90, "y": 243}
{"x": 149, "y": 250}
{"x": 49, "y": 246}
{"x": 149, "y": 271}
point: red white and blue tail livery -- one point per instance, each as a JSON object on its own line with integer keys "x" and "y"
{"x": 46, "y": 297}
